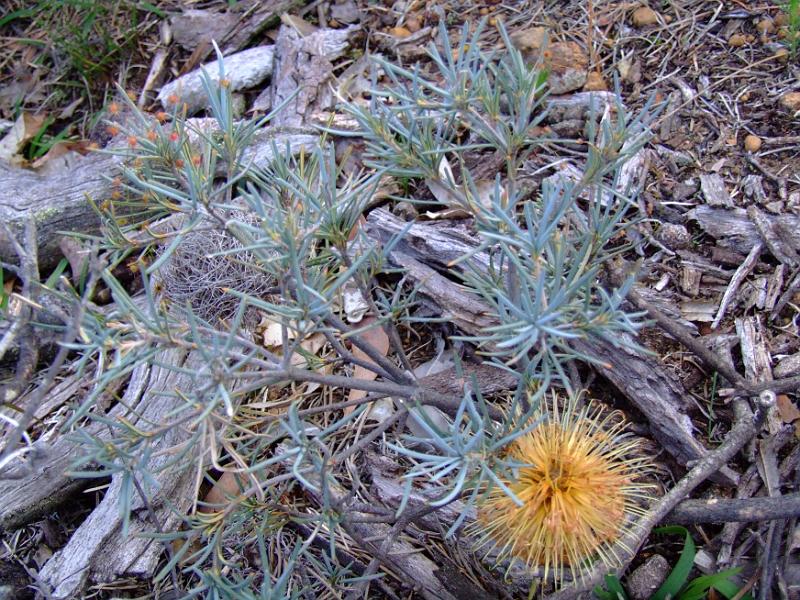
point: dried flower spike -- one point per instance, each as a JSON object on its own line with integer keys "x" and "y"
{"x": 577, "y": 489}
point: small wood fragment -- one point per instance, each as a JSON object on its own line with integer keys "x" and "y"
{"x": 774, "y": 287}
{"x": 733, "y": 229}
{"x": 302, "y": 74}
{"x": 690, "y": 280}
{"x": 779, "y": 244}
{"x": 791, "y": 289}
{"x": 714, "y": 190}
{"x": 741, "y": 273}
{"x": 755, "y": 354}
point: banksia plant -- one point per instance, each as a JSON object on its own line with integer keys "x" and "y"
{"x": 575, "y": 490}
{"x": 218, "y": 239}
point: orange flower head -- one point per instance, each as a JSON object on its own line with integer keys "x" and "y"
{"x": 578, "y": 490}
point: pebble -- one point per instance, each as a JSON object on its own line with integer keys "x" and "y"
{"x": 782, "y": 55}
{"x": 644, "y": 16}
{"x": 752, "y": 143}
{"x": 674, "y": 236}
{"x": 595, "y": 83}
{"x": 791, "y": 101}
{"x": 568, "y": 65}
{"x": 406, "y": 210}
{"x": 400, "y": 32}
{"x": 529, "y": 39}
{"x": 737, "y": 40}
{"x": 647, "y": 578}
{"x": 566, "y": 61}
{"x": 766, "y": 26}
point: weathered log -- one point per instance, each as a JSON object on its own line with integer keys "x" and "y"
{"x": 59, "y": 202}
{"x": 55, "y": 202}
{"x": 97, "y": 551}
{"x": 31, "y": 490}
{"x": 302, "y": 71}
{"x": 243, "y": 70}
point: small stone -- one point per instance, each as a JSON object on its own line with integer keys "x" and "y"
{"x": 752, "y": 143}
{"x": 781, "y": 19}
{"x": 345, "y": 12}
{"x": 406, "y": 210}
{"x": 737, "y": 40}
{"x": 648, "y": 577}
{"x": 567, "y": 65}
{"x": 529, "y": 39}
{"x": 400, "y": 32}
{"x": 569, "y": 128}
{"x": 782, "y": 55}
{"x": 674, "y": 237}
{"x": 413, "y": 24}
{"x": 595, "y": 83}
{"x": 566, "y": 61}
{"x": 787, "y": 367}
{"x": 791, "y": 101}
{"x": 765, "y": 26}
{"x": 644, "y": 16}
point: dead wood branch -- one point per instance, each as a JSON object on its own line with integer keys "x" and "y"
{"x": 738, "y": 510}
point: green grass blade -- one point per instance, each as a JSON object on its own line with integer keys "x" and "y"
{"x": 677, "y": 578}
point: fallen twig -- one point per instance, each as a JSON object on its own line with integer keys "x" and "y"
{"x": 739, "y": 510}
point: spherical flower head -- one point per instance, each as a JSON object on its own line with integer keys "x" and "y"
{"x": 576, "y": 490}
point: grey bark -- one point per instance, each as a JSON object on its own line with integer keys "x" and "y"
{"x": 734, "y": 229}
{"x": 97, "y": 550}
{"x": 59, "y": 202}
{"x": 56, "y": 203}
{"x": 301, "y": 74}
